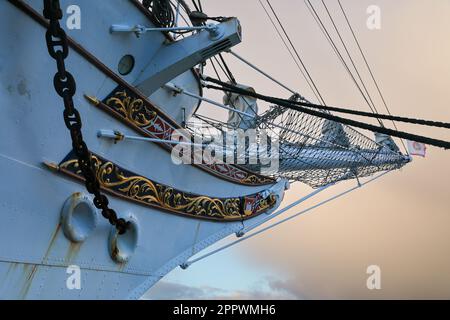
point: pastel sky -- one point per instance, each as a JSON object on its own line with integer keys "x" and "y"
{"x": 401, "y": 222}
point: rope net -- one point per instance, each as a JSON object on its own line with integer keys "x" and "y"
{"x": 332, "y": 151}
{"x": 309, "y": 149}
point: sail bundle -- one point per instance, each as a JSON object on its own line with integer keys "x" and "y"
{"x": 305, "y": 148}
{"x": 318, "y": 151}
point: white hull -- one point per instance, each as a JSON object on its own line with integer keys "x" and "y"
{"x": 34, "y": 252}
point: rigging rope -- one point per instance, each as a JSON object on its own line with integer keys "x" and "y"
{"x": 200, "y": 5}
{"x": 227, "y": 69}
{"x": 309, "y": 145}
{"x": 429, "y": 123}
{"x": 269, "y": 227}
{"x": 349, "y": 111}
{"x": 368, "y": 66}
{"x": 371, "y": 104}
{"x": 296, "y": 52}
{"x": 322, "y": 26}
{"x": 215, "y": 69}
{"x": 161, "y": 11}
{"x": 290, "y": 52}
{"x": 303, "y": 107}
{"x": 196, "y": 6}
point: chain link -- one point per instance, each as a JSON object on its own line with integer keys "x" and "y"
{"x": 65, "y": 86}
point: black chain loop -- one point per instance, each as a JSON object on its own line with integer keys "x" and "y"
{"x": 65, "y": 86}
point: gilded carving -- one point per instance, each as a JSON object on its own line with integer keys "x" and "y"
{"x": 145, "y": 191}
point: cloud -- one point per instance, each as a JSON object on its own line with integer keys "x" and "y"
{"x": 287, "y": 287}
{"x": 274, "y": 289}
{"x": 165, "y": 290}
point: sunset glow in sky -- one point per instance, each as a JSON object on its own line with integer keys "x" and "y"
{"x": 400, "y": 222}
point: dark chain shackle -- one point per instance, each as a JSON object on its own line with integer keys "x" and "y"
{"x": 65, "y": 86}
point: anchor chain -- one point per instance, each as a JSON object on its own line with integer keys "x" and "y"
{"x": 65, "y": 86}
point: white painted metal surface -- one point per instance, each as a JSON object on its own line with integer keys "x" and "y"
{"x": 34, "y": 252}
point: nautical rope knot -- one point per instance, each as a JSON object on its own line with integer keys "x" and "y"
{"x": 65, "y": 86}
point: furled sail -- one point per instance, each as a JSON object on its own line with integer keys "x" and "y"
{"x": 311, "y": 149}
{"x": 244, "y": 104}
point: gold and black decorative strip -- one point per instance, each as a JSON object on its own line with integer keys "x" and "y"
{"x": 139, "y": 115}
{"x": 132, "y": 187}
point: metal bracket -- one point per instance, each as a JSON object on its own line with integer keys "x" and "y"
{"x": 185, "y": 265}
{"x": 183, "y": 118}
{"x": 215, "y": 31}
{"x": 112, "y": 134}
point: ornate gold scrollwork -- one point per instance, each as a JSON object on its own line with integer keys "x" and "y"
{"x": 145, "y": 191}
{"x": 142, "y": 115}
{"x": 133, "y": 109}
